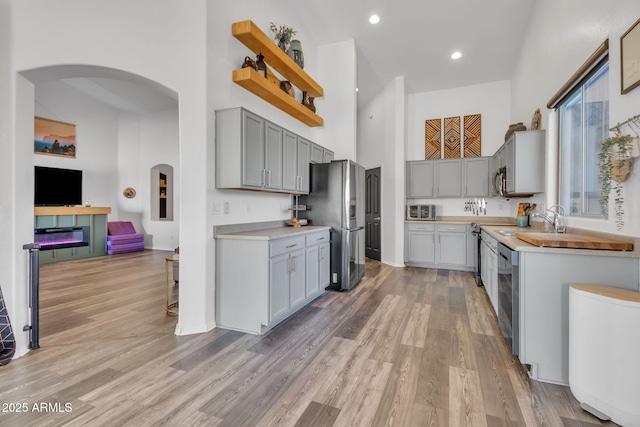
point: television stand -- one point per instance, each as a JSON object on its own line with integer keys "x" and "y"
{"x": 82, "y": 232}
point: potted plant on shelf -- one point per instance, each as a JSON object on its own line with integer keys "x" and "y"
{"x": 614, "y": 162}
{"x": 282, "y": 34}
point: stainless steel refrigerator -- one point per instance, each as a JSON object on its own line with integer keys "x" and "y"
{"x": 336, "y": 199}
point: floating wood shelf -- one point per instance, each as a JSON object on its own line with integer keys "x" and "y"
{"x": 256, "y": 40}
{"x": 252, "y": 37}
{"x": 249, "y": 79}
{"x": 69, "y": 210}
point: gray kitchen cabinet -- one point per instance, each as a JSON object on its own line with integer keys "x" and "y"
{"x": 253, "y": 296}
{"x": 419, "y": 181}
{"x": 452, "y": 244}
{"x": 318, "y": 271}
{"x": 475, "y": 176}
{"x": 317, "y": 154}
{"x": 296, "y": 158}
{"x": 327, "y": 156}
{"x": 545, "y": 278}
{"x": 448, "y": 178}
{"x": 439, "y": 245}
{"x": 489, "y": 268}
{"x": 420, "y": 244}
{"x": 523, "y": 157}
{"x": 273, "y": 156}
{"x": 253, "y": 153}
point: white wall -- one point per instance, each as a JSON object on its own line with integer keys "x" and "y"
{"x": 154, "y": 41}
{"x": 561, "y": 36}
{"x": 381, "y": 142}
{"x": 96, "y": 140}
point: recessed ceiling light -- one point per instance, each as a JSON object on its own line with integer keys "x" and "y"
{"x": 374, "y": 19}
{"x": 456, "y": 55}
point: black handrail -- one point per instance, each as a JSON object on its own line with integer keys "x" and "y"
{"x": 34, "y": 295}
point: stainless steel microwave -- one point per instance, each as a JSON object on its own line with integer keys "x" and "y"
{"x": 421, "y": 212}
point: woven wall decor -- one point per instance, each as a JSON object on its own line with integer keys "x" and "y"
{"x": 432, "y": 139}
{"x": 452, "y": 138}
{"x": 472, "y": 132}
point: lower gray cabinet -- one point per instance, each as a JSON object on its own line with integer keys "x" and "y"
{"x": 439, "y": 245}
{"x": 261, "y": 282}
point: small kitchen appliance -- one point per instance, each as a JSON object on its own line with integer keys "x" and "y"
{"x": 421, "y": 212}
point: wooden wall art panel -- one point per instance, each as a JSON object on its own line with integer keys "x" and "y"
{"x": 432, "y": 139}
{"x": 472, "y": 133}
{"x": 452, "y": 138}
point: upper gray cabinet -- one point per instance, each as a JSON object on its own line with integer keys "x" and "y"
{"x": 419, "y": 179}
{"x": 475, "y": 176}
{"x": 523, "y": 156}
{"x": 320, "y": 154}
{"x": 448, "y": 178}
{"x": 253, "y": 153}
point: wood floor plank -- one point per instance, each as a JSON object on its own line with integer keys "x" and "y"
{"x": 463, "y": 354}
{"x": 416, "y": 332}
{"x": 465, "y": 397}
{"x": 318, "y": 415}
{"x": 432, "y": 390}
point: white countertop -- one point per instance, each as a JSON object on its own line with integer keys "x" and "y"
{"x": 272, "y": 233}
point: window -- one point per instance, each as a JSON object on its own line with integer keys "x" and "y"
{"x": 584, "y": 124}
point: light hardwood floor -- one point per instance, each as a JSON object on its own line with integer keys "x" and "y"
{"x": 407, "y": 347}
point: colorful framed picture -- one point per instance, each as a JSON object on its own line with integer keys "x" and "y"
{"x": 630, "y": 58}
{"x": 54, "y": 138}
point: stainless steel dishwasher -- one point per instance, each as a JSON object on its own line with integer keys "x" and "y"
{"x": 508, "y": 297}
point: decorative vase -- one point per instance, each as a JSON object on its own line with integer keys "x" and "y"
{"x": 286, "y": 86}
{"x": 307, "y": 101}
{"x": 514, "y": 128}
{"x": 295, "y": 53}
{"x": 250, "y": 63}
{"x": 261, "y": 67}
{"x": 282, "y": 44}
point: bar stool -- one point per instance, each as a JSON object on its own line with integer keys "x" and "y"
{"x": 171, "y": 308}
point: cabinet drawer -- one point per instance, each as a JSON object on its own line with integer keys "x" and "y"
{"x": 454, "y": 228}
{"x": 413, "y": 226}
{"x": 283, "y": 246}
{"x": 317, "y": 238}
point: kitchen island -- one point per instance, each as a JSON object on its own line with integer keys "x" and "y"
{"x": 545, "y": 275}
{"x": 264, "y": 275}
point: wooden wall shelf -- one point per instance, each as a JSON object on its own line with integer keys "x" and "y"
{"x": 256, "y": 40}
{"x": 249, "y": 79}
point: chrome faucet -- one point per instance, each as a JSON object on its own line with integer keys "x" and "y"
{"x": 554, "y": 218}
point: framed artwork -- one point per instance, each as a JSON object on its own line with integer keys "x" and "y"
{"x": 630, "y": 58}
{"x": 432, "y": 130}
{"x": 54, "y": 138}
{"x": 472, "y": 143}
{"x": 452, "y": 138}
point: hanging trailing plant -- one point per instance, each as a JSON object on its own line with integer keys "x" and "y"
{"x": 614, "y": 161}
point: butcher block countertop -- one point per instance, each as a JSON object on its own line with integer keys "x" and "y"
{"x": 574, "y": 241}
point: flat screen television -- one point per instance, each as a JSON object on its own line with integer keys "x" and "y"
{"x": 57, "y": 187}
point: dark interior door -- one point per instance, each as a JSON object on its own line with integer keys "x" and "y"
{"x": 372, "y": 214}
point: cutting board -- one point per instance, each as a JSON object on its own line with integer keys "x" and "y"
{"x": 574, "y": 241}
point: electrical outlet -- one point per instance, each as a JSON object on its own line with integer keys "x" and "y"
{"x": 226, "y": 208}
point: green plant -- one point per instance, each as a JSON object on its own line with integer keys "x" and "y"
{"x": 615, "y": 154}
{"x": 282, "y": 34}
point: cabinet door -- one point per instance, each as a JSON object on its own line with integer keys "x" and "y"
{"x": 279, "y": 268}
{"x": 313, "y": 270}
{"x": 508, "y": 160}
{"x": 421, "y": 247}
{"x": 419, "y": 179}
{"x": 297, "y": 278}
{"x": 452, "y": 248}
{"x": 327, "y": 156}
{"x": 252, "y": 150}
{"x": 273, "y": 156}
{"x": 448, "y": 181}
{"x": 290, "y": 161}
{"x": 476, "y": 177}
{"x": 317, "y": 154}
{"x": 304, "y": 151}
{"x": 324, "y": 267}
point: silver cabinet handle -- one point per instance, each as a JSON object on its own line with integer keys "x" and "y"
{"x": 292, "y": 246}
{"x": 320, "y": 238}
{"x": 293, "y": 261}
{"x": 376, "y": 219}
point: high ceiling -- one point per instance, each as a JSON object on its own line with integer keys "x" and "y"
{"x": 415, "y": 39}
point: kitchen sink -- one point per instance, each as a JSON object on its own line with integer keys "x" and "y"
{"x": 507, "y": 233}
